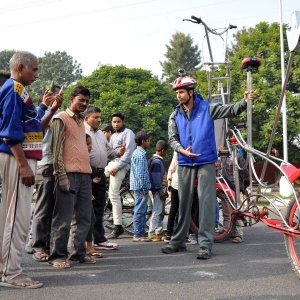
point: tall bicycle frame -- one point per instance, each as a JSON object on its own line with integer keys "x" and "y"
{"x": 272, "y": 215}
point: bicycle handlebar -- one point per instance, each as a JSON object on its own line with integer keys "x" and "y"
{"x": 198, "y": 20}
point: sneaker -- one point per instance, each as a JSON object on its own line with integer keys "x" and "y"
{"x": 204, "y": 253}
{"x": 28, "y": 247}
{"x": 154, "y": 238}
{"x": 140, "y": 239}
{"x": 118, "y": 230}
{"x": 219, "y": 229}
{"x": 167, "y": 239}
{"x": 169, "y": 249}
{"x": 106, "y": 246}
{"x": 192, "y": 239}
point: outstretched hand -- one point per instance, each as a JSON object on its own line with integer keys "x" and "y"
{"x": 187, "y": 152}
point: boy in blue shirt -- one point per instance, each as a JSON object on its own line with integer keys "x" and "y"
{"x": 140, "y": 185}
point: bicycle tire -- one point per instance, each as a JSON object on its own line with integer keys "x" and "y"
{"x": 108, "y": 217}
{"x": 127, "y": 200}
{"x": 292, "y": 243}
{"x": 226, "y": 220}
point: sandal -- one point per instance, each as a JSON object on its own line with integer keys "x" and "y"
{"x": 94, "y": 253}
{"x": 21, "y": 281}
{"x": 60, "y": 264}
{"x": 237, "y": 239}
{"x": 87, "y": 260}
{"x": 40, "y": 256}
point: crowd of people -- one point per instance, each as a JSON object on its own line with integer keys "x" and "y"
{"x": 65, "y": 155}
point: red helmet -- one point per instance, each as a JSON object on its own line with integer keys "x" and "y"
{"x": 184, "y": 82}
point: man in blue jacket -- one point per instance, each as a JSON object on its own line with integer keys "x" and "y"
{"x": 20, "y": 147}
{"x": 192, "y": 135}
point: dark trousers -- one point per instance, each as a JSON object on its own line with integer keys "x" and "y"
{"x": 41, "y": 226}
{"x": 173, "y": 213}
{"x": 72, "y": 208}
{"x": 99, "y": 193}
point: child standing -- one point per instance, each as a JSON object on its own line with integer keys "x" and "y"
{"x": 140, "y": 185}
{"x": 157, "y": 173}
{"x": 173, "y": 188}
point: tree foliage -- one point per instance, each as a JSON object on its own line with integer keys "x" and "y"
{"x": 59, "y": 67}
{"x": 264, "y": 41}
{"x": 142, "y": 98}
{"x": 181, "y": 53}
{"x": 5, "y": 56}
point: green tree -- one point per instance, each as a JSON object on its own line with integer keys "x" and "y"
{"x": 141, "y": 97}
{"x": 181, "y": 53}
{"x": 59, "y": 67}
{"x": 5, "y": 56}
{"x": 264, "y": 41}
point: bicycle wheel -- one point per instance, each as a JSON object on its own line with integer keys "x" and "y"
{"x": 108, "y": 221}
{"x": 225, "y": 220}
{"x": 127, "y": 199}
{"x": 292, "y": 243}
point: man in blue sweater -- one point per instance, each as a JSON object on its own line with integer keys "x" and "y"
{"x": 20, "y": 147}
{"x": 192, "y": 135}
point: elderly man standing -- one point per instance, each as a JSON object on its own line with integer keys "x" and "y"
{"x": 99, "y": 154}
{"x": 73, "y": 188}
{"x": 20, "y": 146}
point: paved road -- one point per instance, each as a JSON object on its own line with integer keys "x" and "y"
{"x": 256, "y": 269}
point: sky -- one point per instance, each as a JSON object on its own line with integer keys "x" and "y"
{"x": 129, "y": 32}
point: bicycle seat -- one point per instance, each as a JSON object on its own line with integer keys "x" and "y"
{"x": 291, "y": 172}
{"x": 251, "y": 63}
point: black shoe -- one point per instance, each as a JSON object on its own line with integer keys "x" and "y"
{"x": 118, "y": 230}
{"x": 204, "y": 253}
{"x": 169, "y": 249}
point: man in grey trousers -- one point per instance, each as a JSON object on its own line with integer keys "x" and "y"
{"x": 192, "y": 135}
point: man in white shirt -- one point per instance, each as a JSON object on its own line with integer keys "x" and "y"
{"x": 99, "y": 155}
{"x": 118, "y": 168}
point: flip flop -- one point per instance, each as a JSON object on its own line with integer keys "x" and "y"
{"x": 95, "y": 254}
{"x": 237, "y": 239}
{"x": 40, "y": 256}
{"x": 60, "y": 264}
{"x": 20, "y": 283}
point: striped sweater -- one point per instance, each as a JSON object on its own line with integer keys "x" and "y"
{"x": 19, "y": 121}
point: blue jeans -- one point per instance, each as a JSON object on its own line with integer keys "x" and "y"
{"x": 157, "y": 213}
{"x": 139, "y": 213}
